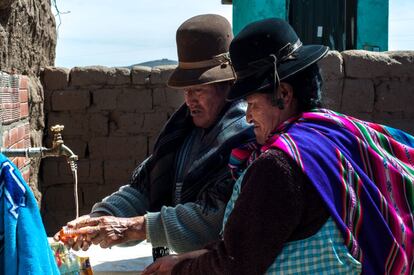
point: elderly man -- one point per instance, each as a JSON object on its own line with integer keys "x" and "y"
{"x": 176, "y": 197}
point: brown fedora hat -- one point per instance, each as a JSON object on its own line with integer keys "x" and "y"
{"x": 202, "y": 44}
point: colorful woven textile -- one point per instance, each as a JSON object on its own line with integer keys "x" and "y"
{"x": 365, "y": 174}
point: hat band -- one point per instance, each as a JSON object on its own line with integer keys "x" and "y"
{"x": 217, "y": 60}
{"x": 264, "y": 64}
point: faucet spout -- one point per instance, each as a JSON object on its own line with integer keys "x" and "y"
{"x": 58, "y": 148}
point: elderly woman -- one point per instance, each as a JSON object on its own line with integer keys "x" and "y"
{"x": 324, "y": 194}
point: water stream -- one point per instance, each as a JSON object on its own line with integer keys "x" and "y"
{"x": 74, "y": 169}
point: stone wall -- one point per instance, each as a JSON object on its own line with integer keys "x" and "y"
{"x": 27, "y": 36}
{"x": 112, "y": 116}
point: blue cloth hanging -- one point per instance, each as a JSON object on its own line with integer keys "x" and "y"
{"x": 24, "y": 248}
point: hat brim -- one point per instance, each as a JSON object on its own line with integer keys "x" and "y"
{"x": 305, "y": 56}
{"x": 185, "y": 78}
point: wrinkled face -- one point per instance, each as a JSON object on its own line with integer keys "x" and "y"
{"x": 262, "y": 115}
{"x": 205, "y": 103}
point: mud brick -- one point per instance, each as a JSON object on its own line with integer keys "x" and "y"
{"x": 118, "y": 170}
{"x": 54, "y": 219}
{"x": 135, "y": 100}
{"x": 404, "y": 65}
{"x": 175, "y": 98}
{"x": 69, "y": 100}
{"x": 96, "y": 171}
{"x": 51, "y": 172}
{"x": 160, "y": 74}
{"x": 159, "y": 99}
{"x": 140, "y": 75}
{"x": 89, "y": 76}
{"x": 366, "y": 64}
{"x": 98, "y": 124}
{"x": 358, "y": 96}
{"x": 49, "y": 169}
{"x": 55, "y": 78}
{"x": 151, "y": 143}
{"x": 77, "y": 146}
{"x": 118, "y": 147}
{"x": 75, "y": 123}
{"x": 126, "y": 123}
{"x": 332, "y": 66}
{"x": 84, "y": 172}
{"x": 93, "y": 193}
{"x": 59, "y": 198}
{"x": 83, "y": 169}
{"x": 119, "y": 76}
{"x": 394, "y": 96}
{"x": 65, "y": 169}
{"x": 332, "y": 94}
{"x": 153, "y": 122}
{"x": 105, "y": 99}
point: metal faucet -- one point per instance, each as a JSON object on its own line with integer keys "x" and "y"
{"x": 58, "y": 148}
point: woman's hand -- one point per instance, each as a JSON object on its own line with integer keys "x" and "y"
{"x": 162, "y": 266}
{"x": 165, "y": 265}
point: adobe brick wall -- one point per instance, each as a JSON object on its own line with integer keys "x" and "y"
{"x": 377, "y": 87}
{"x": 112, "y": 116}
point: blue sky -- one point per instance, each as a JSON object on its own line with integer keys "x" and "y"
{"x": 103, "y": 32}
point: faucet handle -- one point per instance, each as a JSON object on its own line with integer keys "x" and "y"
{"x": 57, "y": 137}
{"x": 56, "y": 129}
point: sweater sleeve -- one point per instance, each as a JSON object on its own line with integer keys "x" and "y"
{"x": 185, "y": 227}
{"x": 266, "y": 213}
{"x": 126, "y": 202}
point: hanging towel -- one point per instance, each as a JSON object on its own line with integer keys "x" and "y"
{"x": 24, "y": 248}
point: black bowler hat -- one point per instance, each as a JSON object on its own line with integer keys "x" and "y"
{"x": 266, "y": 52}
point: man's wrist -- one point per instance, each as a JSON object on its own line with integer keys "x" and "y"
{"x": 136, "y": 228}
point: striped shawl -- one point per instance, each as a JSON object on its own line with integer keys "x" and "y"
{"x": 364, "y": 172}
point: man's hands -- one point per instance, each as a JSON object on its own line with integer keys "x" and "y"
{"x": 105, "y": 231}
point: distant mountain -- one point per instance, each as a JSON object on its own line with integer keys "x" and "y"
{"x": 158, "y": 62}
